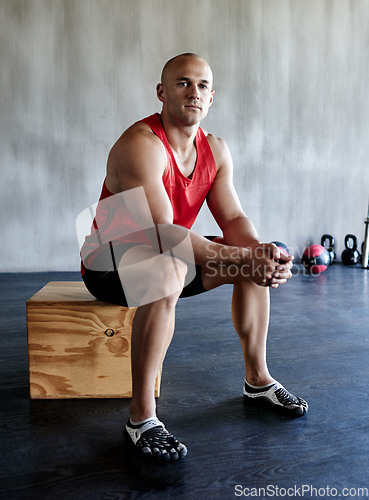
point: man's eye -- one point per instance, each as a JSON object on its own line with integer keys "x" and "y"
{"x": 183, "y": 84}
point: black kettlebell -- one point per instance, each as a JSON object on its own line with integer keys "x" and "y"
{"x": 350, "y": 256}
{"x": 327, "y": 242}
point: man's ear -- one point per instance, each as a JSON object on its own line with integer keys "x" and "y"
{"x": 212, "y": 97}
{"x": 160, "y": 92}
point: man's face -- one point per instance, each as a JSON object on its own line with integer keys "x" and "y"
{"x": 186, "y": 90}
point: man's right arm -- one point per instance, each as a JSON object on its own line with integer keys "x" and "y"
{"x": 138, "y": 159}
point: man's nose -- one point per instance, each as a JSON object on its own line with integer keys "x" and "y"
{"x": 194, "y": 91}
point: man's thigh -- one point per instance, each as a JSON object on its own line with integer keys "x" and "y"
{"x": 148, "y": 275}
{"x": 199, "y": 283}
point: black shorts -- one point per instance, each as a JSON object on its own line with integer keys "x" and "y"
{"x": 107, "y": 287}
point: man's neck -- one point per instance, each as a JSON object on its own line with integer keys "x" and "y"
{"x": 180, "y": 137}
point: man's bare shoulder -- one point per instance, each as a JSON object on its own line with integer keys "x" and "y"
{"x": 137, "y": 137}
{"x": 219, "y": 149}
{"x": 137, "y": 154}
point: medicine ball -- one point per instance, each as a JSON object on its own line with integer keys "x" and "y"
{"x": 281, "y": 247}
{"x": 316, "y": 259}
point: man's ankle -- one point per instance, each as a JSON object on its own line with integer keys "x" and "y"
{"x": 137, "y": 415}
{"x": 259, "y": 380}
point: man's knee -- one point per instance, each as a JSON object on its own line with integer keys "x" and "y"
{"x": 170, "y": 276}
{"x": 166, "y": 283}
{"x": 155, "y": 277}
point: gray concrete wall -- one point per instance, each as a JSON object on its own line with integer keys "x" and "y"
{"x": 291, "y": 79}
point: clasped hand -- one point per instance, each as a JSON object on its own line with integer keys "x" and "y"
{"x": 269, "y": 266}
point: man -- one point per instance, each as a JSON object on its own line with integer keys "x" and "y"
{"x": 179, "y": 166}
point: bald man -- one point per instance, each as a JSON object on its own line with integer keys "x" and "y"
{"x": 179, "y": 166}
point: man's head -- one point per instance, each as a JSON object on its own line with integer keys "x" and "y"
{"x": 186, "y": 88}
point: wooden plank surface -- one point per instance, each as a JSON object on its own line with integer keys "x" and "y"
{"x": 63, "y": 291}
{"x": 78, "y": 347}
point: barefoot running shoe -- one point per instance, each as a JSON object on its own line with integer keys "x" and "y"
{"x": 275, "y": 396}
{"x": 152, "y": 440}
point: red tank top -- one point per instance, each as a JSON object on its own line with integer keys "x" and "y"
{"x": 186, "y": 194}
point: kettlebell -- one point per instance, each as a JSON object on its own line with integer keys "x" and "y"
{"x": 350, "y": 256}
{"x": 327, "y": 242}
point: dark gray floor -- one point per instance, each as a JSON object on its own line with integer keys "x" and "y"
{"x": 318, "y": 348}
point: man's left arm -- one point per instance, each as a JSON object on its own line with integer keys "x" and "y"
{"x": 224, "y": 203}
{"x": 238, "y": 229}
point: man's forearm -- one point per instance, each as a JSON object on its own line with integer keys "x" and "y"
{"x": 205, "y": 250}
{"x": 240, "y": 232}
{"x": 239, "y": 235}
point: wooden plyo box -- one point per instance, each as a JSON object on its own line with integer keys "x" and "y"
{"x": 78, "y": 347}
